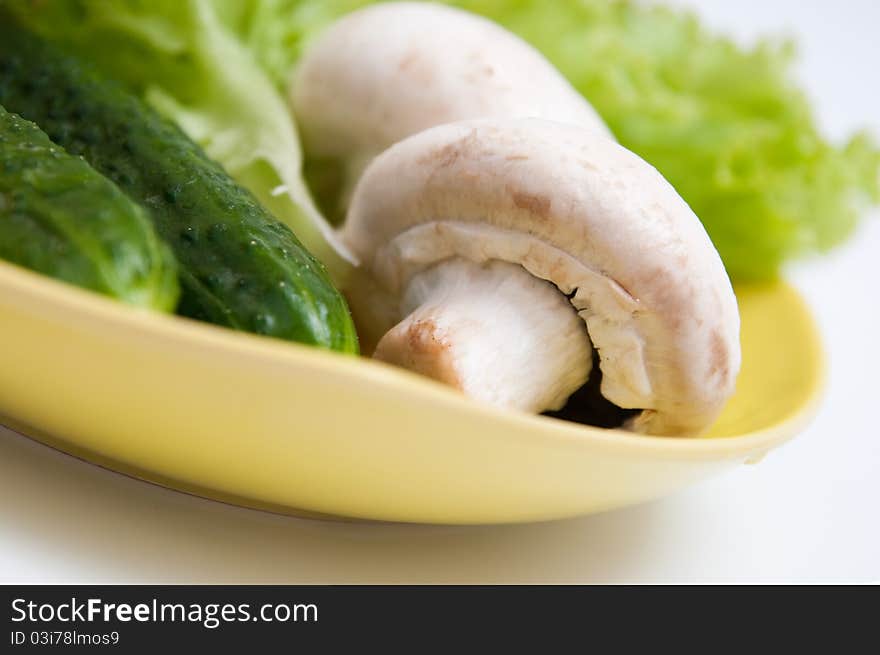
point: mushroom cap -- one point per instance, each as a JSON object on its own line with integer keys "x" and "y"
{"x": 581, "y": 211}
{"x": 391, "y": 70}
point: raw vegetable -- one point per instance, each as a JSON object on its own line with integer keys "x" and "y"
{"x": 464, "y": 227}
{"x": 60, "y": 217}
{"x": 239, "y": 266}
{"x": 726, "y": 125}
{"x": 181, "y": 57}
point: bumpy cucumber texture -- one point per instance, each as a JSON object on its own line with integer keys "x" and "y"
{"x": 60, "y": 217}
{"x": 239, "y": 266}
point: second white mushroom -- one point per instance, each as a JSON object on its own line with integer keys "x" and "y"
{"x": 391, "y": 70}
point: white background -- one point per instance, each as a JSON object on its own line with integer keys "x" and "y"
{"x": 808, "y": 513}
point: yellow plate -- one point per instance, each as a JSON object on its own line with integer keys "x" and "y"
{"x": 263, "y": 423}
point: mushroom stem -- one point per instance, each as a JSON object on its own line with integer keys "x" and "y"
{"x": 494, "y": 331}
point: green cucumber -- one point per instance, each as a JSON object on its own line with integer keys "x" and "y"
{"x": 239, "y": 266}
{"x": 60, "y": 217}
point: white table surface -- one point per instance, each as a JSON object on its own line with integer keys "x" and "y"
{"x": 808, "y": 513}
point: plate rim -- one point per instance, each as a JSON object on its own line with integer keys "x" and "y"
{"x": 39, "y": 294}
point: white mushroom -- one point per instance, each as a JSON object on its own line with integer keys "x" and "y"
{"x": 391, "y": 70}
{"x": 434, "y": 215}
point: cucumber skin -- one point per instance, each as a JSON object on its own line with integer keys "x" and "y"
{"x": 239, "y": 266}
{"x": 60, "y": 217}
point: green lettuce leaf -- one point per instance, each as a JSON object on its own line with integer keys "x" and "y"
{"x": 727, "y": 126}
{"x": 183, "y": 57}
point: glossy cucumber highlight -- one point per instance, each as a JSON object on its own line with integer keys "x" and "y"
{"x": 239, "y": 266}
{"x": 60, "y": 217}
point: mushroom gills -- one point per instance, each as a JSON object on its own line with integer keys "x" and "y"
{"x": 493, "y": 331}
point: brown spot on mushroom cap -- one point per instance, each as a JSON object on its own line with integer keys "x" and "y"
{"x": 416, "y": 67}
{"x": 534, "y": 203}
{"x": 670, "y": 296}
{"x": 719, "y": 357}
{"x": 445, "y": 156}
{"x": 407, "y": 62}
{"x": 468, "y": 146}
